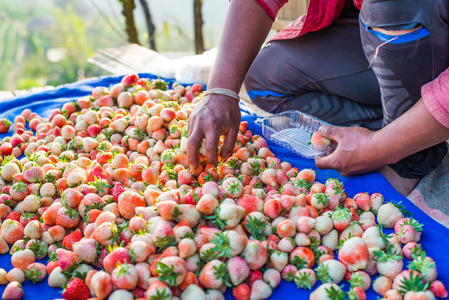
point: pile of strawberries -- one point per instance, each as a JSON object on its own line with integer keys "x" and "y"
{"x": 105, "y": 191}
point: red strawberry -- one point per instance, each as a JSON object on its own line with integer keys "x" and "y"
{"x": 438, "y": 289}
{"x": 250, "y": 203}
{"x": 241, "y": 292}
{"x": 76, "y": 290}
{"x": 5, "y": 124}
{"x": 363, "y": 201}
{"x": 117, "y": 190}
{"x": 74, "y": 237}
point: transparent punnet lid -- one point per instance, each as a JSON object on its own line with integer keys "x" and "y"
{"x": 292, "y": 130}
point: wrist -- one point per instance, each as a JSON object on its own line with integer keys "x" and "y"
{"x": 222, "y": 91}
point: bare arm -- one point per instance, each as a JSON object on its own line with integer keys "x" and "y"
{"x": 245, "y": 30}
{"x": 360, "y": 150}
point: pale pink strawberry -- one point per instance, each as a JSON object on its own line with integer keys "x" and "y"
{"x": 354, "y": 230}
{"x": 389, "y": 264}
{"x": 376, "y": 201}
{"x": 125, "y": 276}
{"x": 388, "y": 215}
{"x": 11, "y": 231}
{"x": 86, "y": 249}
{"x": 287, "y": 202}
{"x": 411, "y": 248}
{"x": 35, "y": 272}
{"x": 186, "y": 247}
{"x": 319, "y": 200}
{"x": 16, "y": 274}
{"x": 144, "y": 273}
{"x": 250, "y": 203}
{"x": 382, "y": 284}
{"x": 272, "y": 208}
{"x": 141, "y": 250}
{"x": 104, "y": 233}
{"x": 331, "y": 270}
{"x": 56, "y": 278}
{"x": 260, "y": 290}
{"x": 66, "y": 258}
{"x": 13, "y": 291}
{"x": 118, "y": 255}
{"x": 34, "y": 174}
{"x": 269, "y": 177}
{"x": 272, "y": 277}
{"x": 305, "y": 278}
{"x": 171, "y": 270}
{"x": 33, "y": 230}
{"x": 373, "y": 237}
{"x": 255, "y": 254}
{"x": 233, "y": 187}
{"x": 157, "y": 288}
{"x": 289, "y": 189}
{"x": 281, "y": 177}
{"x": 238, "y": 270}
{"x": 19, "y": 191}
{"x": 305, "y": 224}
{"x": 22, "y": 258}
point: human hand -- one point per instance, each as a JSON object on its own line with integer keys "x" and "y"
{"x": 356, "y": 152}
{"x": 213, "y": 116}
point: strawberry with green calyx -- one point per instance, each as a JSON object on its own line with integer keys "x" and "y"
{"x": 328, "y": 291}
{"x": 35, "y": 272}
{"x": 305, "y": 278}
{"x": 289, "y": 273}
{"x": 332, "y": 271}
{"x": 411, "y": 248}
{"x": 414, "y": 287}
{"x": 408, "y": 230}
{"x": 233, "y": 187}
{"x": 101, "y": 185}
{"x": 299, "y": 262}
{"x": 216, "y": 220}
{"x": 39, "y": 248}
{"x": 76, "y": 289}
{"x": 389, "y": 263}
{"x": 222, "y": 245}
{"x": 322, "y": 273}
{"x": 5, "y": 125}
{"x": 167, "y": 273}
{"x": 320, "y": 200}
{"x": 358, "y": 279}
{"x": 256, "y": 227}
{"x": 424, "y": 265}
{"x": 356, "y": 293}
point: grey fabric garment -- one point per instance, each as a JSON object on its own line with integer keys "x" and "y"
{"x": 323, "y": 73}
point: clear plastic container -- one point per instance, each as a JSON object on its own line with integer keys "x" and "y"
{"x": 292, "y": 130}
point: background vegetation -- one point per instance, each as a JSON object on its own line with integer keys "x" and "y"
{"x": 47, "y": 42}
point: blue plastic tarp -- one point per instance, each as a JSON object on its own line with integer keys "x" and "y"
{"x": 435, "y": 237}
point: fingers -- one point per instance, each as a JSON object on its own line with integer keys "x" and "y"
{"x": 193, "y": 143}
{"x": 212, "y": 139}
{"x": 324, "y": 162}
{"x": 229, "y": 141}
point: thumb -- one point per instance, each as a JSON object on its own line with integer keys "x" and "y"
{"x": 330, "y": 132}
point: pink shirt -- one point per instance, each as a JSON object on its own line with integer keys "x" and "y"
{"x": 321, "y": 13}
{"x": 435, "y": 95}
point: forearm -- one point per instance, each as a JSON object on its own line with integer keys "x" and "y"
{"x": 412, "y": 132}
{"x": 247, "y": 25}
